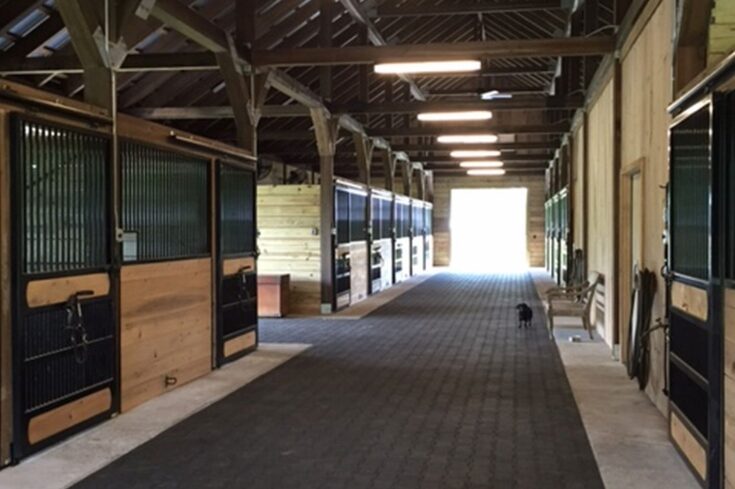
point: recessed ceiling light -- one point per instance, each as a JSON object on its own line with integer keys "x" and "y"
{"x": 473, "y": 115}
{"x": 485, "y": 173}
{"x": 482, "y": 164}
{"x": 480, "y": 153}
{"x": 495, "y": 95}
{"x": 468, "y": 139}
{"x": 428, "y": 67}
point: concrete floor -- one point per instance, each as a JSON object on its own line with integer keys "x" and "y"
{"x": 629, "y": 436}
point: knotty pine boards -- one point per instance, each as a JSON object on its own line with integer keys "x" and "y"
{"x": 166, "y": 327}
{"x": 289, "y": 242}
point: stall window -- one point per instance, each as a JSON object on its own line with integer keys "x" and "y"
{"x": 358, "y": 209}
{"x": 165, "y": 204}
{"x": 342, "y": 211}
{"x": 690, "y": 195}
{"x": 237, "y": 193}
{"x": 63, "y": 174}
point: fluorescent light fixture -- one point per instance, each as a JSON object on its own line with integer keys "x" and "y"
{"x": 495, "y": 95}
{"x": 473, "y": 115}
{"x": 485, "y": 173}
{"x": 481, "y": 153}
{"x": 468, "y": 139}
{"x": 482, "y": 164}
{"x": 428, "y": 67}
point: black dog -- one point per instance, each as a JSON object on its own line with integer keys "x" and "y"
{"x": 525, "y": 315}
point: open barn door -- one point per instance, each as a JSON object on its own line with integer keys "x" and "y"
{"x": 237, "y": 310}
{"x": 64, "y": 326}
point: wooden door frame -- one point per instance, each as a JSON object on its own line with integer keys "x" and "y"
{"x": 625, "y": 252}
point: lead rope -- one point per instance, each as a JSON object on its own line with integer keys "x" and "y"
{"x": 75, "y": 325}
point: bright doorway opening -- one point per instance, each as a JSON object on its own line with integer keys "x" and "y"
{"x": 488, "y": 229}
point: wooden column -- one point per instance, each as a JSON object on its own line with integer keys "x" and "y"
{"x": 421, "y": 183}
{"x": 364, "y": 151}
{"x": 84, "y": 20}
{"x": 325, "y": 131}
{"x": 326, "y": 16}
{"x": 429, "y": 179}
{"x": 389, "y": 169}
{"x": 406, "y": 177}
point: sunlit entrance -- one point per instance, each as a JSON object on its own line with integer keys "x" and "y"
{"x": 488, "y": 229}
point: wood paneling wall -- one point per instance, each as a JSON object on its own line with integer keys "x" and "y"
{"x": 166, "y": 327}
{"x": 443, "y": 187}
{"x": 288, "y": 226}
{"x": 601, "y": 181}
{"x": 578, "y": 186}
{"x": 721, "y": 31}
{"x": 645, "y": 94}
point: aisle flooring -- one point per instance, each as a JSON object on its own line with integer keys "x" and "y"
{"x": 437, "y": 389}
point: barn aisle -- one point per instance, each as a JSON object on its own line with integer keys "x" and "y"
{"x": 438, "y": 388}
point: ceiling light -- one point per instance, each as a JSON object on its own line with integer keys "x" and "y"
{"x": 485, "y": 173}
{"x": 473, "y": 115}
{"x": 482, "y": 153}
{"x": 428, "y": 67}
{"x": 495, "y": 95}
{"x": 468, "y": 139}
{"x": 482, "y": 164}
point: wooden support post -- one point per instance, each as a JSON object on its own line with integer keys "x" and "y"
{"x": 83, "y": 21}
{"x": 406, "y": 177}
{"x": 421, "y": 183}
{"x": 326, "y": 15}
{"x": 240, "y": 93}
{"x": 325, "y": 131}
{"x": 364, "y": 150}
{"x": 389, "y": 169}
{"x": 429, "y": 183}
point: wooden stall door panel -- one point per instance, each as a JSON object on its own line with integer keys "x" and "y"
{"x": 729, "y": 389}
{"x": 690, "y": 300}
{"x": 689, "y": 446}
{"x": 69, "y": 415}
{"x": 359, "y": 272}
{"x": 166, "y": 327}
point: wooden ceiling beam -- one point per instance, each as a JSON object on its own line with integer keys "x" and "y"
{"x": 389, "y": 9}
{"x": 280, "y": 111}
{"x": 520, "y": 48}
{"x": 446, "y": 148}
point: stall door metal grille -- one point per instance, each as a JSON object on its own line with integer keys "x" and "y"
{"x": 690, "y": 195}
{"x": 165, "y": 204}
{"x": 237, "y": 309}
{"x": 60, "y": 231}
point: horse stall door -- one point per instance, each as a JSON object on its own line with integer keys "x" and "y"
{"x": 63, "y": 327}
{"x": 237, "y": 310}
{"x": 694, "y": 355}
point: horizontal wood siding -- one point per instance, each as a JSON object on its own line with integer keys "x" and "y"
{"x": 288, "y": 238}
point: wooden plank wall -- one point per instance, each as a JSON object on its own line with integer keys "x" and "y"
{"x": 600, "y": 199}
{"x": 645, "y": 95}
{"x": 443, "y": 186}
{"x": 288, "y": 238}
{"x": 166, "y": 327}
{"x": 721, "y": 31}
{"x": 578, "y": 190}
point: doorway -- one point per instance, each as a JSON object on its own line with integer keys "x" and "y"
{"x": 488, "y": 229}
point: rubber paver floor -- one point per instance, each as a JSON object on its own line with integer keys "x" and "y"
{"x": 437, "y": 389}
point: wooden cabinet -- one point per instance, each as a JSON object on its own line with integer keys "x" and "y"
{"x": 273, "y": 295}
